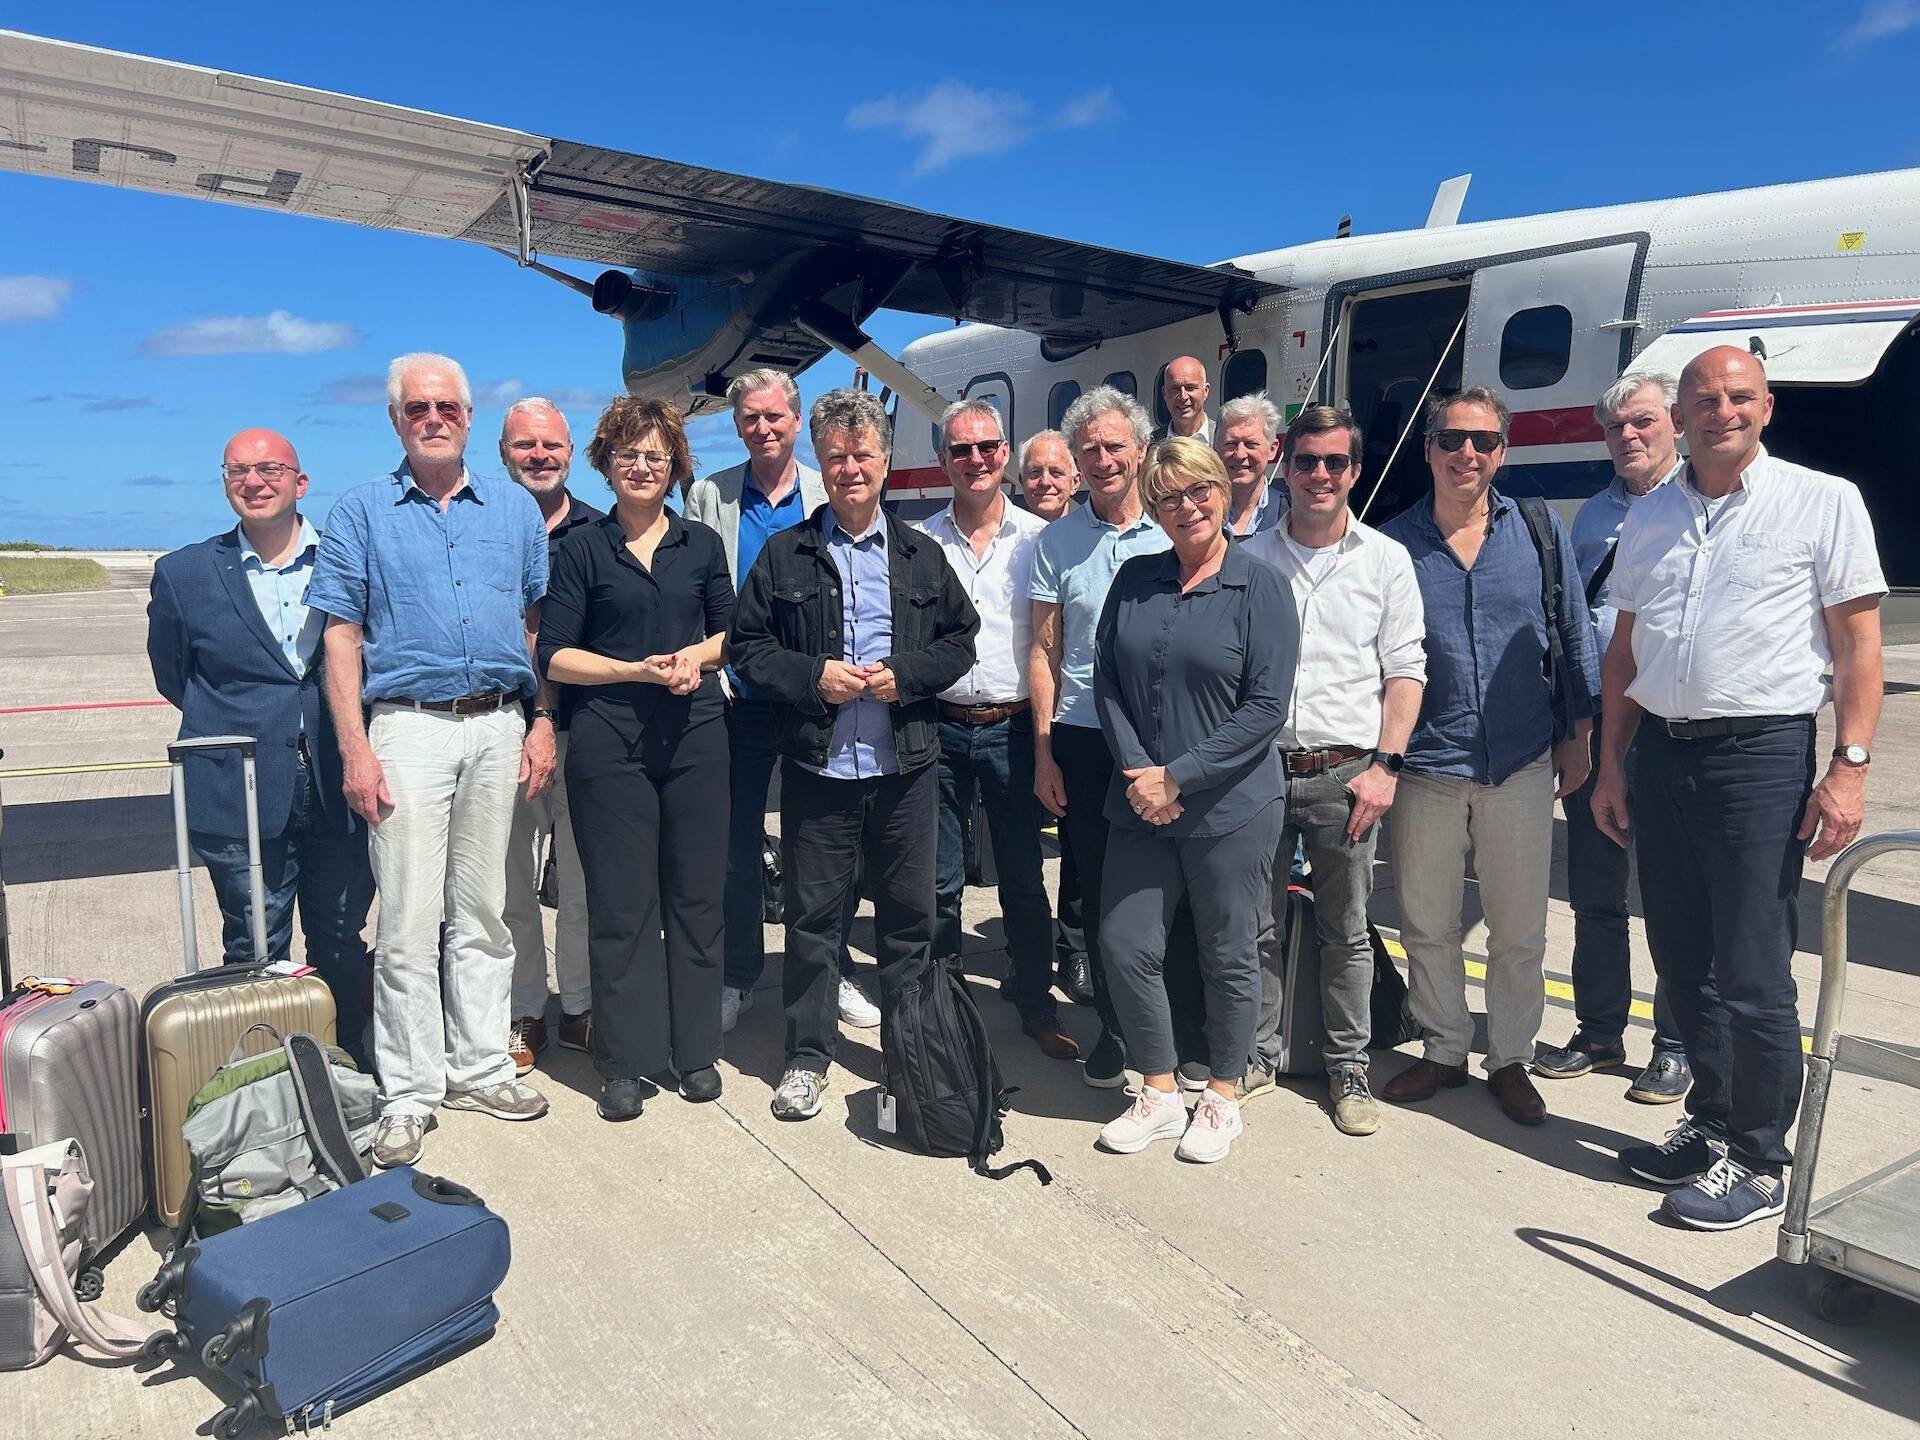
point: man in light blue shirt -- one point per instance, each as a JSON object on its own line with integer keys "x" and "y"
{"x": 862, "y": 743}
{"x": 1636, "y": 418}
{"x": 280, "y": 590}
{"x": 1074, "y": 563}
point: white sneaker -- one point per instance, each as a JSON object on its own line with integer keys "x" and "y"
{"x": 855, "y": 1008}
{"x": 1152, "y": 1116}
{"x": 734, "y": 1002}
{"x": 1215, "y": 1126}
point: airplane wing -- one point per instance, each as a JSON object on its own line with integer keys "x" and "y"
{"x": 77, "y": 112}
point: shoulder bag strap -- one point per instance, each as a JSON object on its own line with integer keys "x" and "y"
{"x": 27, "y": 1179}
{"x": 1600, "y": 574}
{"x": 320, "y": 1110}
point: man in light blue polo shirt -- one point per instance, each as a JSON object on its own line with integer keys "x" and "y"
{"x": 432, "y": 578}
{"x": 1074, "y": 563}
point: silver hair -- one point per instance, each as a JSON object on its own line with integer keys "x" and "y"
{"x": 851, "y": 411}
{"x": 984, "y": 408}
{"x": 1105, "y": 400}
{"x": 1614, "y": 398}
{"x": 1252, "y": 407}
{"x": 742, "y": 386}
{"x": 402, "y": 365}
{"x": 526, "y": 405}
{"x": 1026, "y": 446}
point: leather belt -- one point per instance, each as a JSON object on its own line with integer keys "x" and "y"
{"x": 464, "y": 704}
{"x": 983, "y": 714}
{"x": 1315, "y": 762}
{"x": 1727, "y": 725}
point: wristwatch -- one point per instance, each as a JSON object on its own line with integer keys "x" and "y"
{"x": 546, "y": 714}
{"x": 1855, "y": 755}
{"x": 1394, "y": 763}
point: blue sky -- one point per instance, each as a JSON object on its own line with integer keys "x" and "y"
{"x": 137, "y": 332}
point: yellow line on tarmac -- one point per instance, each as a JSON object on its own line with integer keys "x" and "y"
{"x": 83, "y": 769}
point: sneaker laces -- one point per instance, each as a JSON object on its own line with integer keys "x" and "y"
{"x": 1678, "y": 1138}
{"x": 1211, "y": 1111}
{"x": 1719, "y": 1182}
{"x": 1353, "y": 1083}
{"x": 1145, "y": 1104}
{"x": 517, "y": 1036}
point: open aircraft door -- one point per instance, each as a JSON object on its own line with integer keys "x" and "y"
{"x": 1799, "y": 344}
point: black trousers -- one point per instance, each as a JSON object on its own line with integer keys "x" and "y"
{"x": 1715, "y": 822}
{"x": 651, "y": 826}
{"x": 828, "y": 829}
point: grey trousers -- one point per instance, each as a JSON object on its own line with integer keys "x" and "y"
{"x": 1317, "y": 810}
{"x": 1226, "y": 880}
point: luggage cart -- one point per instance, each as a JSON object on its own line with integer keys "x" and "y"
{"x": 1864, "y": 1237}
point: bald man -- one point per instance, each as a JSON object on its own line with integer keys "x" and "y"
{"x": 233, "y": 646}
{"x": 1739, "y": 586}
{"x": 1184, "y": 391}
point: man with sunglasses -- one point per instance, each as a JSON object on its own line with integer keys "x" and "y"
{"x": 1355, "y": 699}
{"x": 1247, "y": 441}
{"x": 234, "y": 647}
{"x": 986, "y": 718}
{"x": 1486, "y": 760}
{"x": 431, "y": 579}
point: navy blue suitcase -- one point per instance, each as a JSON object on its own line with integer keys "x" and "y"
{"x": 314, "y": 1309}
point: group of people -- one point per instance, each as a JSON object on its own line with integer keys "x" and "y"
{"x": 1209, "y": 677}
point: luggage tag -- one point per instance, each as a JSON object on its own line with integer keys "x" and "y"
{"x": 50, "y": 984}
{"x": 286, "y": 968}
{"x": 888, "y": 1122}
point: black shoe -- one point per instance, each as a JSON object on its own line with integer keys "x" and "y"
{"x": 701, "y": 1085}
{"x": 1192, "y": 1076}
{"x": 1106, "y": 1067}
{"x": 622, "y": 1099}
{"x": 1666, "y": 1080}
{"x": 1076, "y": 980}
{"x": 1581, "y": 1055}
{"x": 1684, "y": 1156}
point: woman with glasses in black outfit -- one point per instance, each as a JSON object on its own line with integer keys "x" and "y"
{"x": 636, "y": 615}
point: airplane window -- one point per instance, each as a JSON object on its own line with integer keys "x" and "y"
{"x": 1059, "y": 398}
{"x": 1245, "y": 372}
{"x": 1123, "y": 381}
{"x": 1161, "y": 418}
{"x": 1535, "y": 347}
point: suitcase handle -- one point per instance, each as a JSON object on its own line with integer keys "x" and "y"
{"x": 245, "y": 744}
{"x": 177, "y": 752}
{"x": 443, "y": 1192}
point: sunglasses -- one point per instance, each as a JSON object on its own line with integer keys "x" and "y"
{"x": 1484, "y": 441}
{"x": 1336, "y": 464}
{"x": 987, "y": 448}
{"x": 450, "y": 411}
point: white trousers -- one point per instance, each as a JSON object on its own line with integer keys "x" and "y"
{"x": 1509, "y": 829}
{"x": 533, "y": 821}
{"x": 440, "y": 1022}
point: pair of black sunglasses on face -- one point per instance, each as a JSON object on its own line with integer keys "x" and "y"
{"x": 1484, "y": 441}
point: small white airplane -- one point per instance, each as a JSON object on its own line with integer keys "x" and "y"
{"x": 718, "y": 273}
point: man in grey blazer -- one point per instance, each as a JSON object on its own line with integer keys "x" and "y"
{"x": 746, "y": 504}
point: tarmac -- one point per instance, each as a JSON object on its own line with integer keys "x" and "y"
{"x": 710, "y": 1271}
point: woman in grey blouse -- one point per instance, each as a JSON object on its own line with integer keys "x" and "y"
{"x": 1193, "y": 673}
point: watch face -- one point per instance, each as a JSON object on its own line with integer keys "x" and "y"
{"x": 1853, "y": 754}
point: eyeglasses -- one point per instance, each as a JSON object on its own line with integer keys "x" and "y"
{"x": 987, "y": 449}
{"x": 451, "y": 412}
{"x": 265, "y": 469}
{"x": 1485, "y": 442}
{"x": 1196, "y": 495}
{"x": 653, "y": 459}
{"x": 1336, "y": 464}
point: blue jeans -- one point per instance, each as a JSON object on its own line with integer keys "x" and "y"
{"x": 318, "y": 863}
{"x": 1715, "y": 822}
{"x": 996, "y": 763}
{"x": 753, "y": 737}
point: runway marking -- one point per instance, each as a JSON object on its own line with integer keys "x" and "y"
{"x": 84, "y": 705}
{"x": 82, "y": 769}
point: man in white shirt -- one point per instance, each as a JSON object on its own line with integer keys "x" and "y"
{"x": 1635, "y": 416}
{"x": 1184, "y": 391}
{"x": 1247, "y": 441}
{"x": 1355, "y": 700}
{"x": 1737, "y": 585}
{"x": 986, "y": 718}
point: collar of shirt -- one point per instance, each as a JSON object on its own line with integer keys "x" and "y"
{"x": 1260, "y": 511}
{"x": 1144, "y": 522}
{"x": 1236, "y": 568}
{"x": 830, "y": 526}
{"x": 303, "y": 552}
{"x": 578, "y": 513}
{"x": 944, "y": 521}
{"x": 410, "y": 487}
{"x": 1756, "y": 476}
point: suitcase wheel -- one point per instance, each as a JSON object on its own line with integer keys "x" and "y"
{"x": 165, "y": 1345}
{"x": 89, "y": 1285}
{"x": 235, "y": 1418}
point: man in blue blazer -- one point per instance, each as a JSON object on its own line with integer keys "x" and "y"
{"x": 234, "y": 646}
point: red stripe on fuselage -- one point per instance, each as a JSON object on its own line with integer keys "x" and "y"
{"x": 1571, "y": 426}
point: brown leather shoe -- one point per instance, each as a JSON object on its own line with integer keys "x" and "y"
{"x": 1054, "y": 1042}
{"x": 576, "y": 1031}
{"x": 526, "y": 1040}
{"x": 1511, "y": 1087}
{"x": 1423, "y": 1080}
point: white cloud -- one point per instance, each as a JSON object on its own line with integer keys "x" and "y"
{"x": 953, "y": 120}
{"x": 1880, "y": 20}
{"x": 276, "y": 333}
{"x": 31, "y": 297}
{"x": 1096, "y": 107}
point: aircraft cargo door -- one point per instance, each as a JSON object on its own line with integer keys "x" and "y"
{"x": 1547, "y": 333}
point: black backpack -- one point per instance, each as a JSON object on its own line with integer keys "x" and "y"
{"x": 942, "y": 1086}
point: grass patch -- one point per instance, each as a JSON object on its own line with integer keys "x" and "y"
{"x": 50, "y": 577}
{"x": 31, "y": 545}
